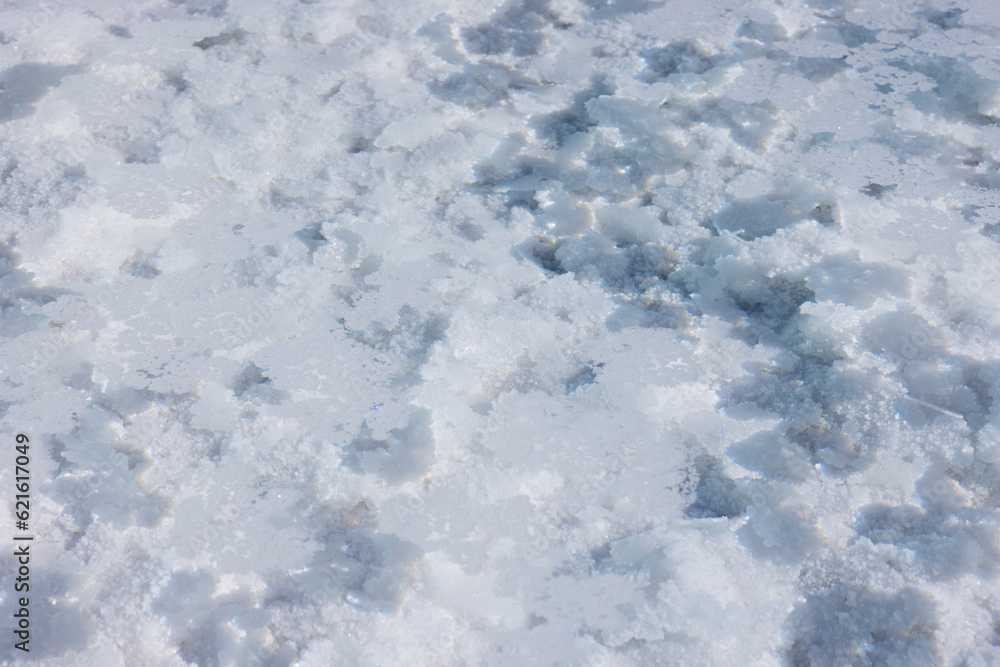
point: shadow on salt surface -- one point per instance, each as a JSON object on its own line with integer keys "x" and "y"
{"x": 944, "y": 546}
{"x": 403, "y": 455}
{"x": 515, "y": 28}
{"x": 684, "y": 56}
{"x": 628, "y": 267}
{"x": 25, "y": 84}
{"x": 958, "y": 92}
{"x": 357, "y": 565}
{"x": 850, "y": 624}
{"x": 772, "y": 456}
{"x": 559, "y": 125}
{"x": 940, "y": 384}
{"x": 310, "y": 557}
{"x": 716, "y": 495}
{"x": 757, "y": 217}
{"x": 831, "y": 411}
{"x": 774, "y": 530}
{"x": 187, "y": 604}
{"x": 812, "y": 399}
{"x": 778, "y": 532}
{"x": 753, "y": 218}
{"x": 211, "y": 628}
{"x": 479, "y": 85}
{"x": 17, "y": 289}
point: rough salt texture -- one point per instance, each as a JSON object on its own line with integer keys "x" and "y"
{"x": 576, "y": 332}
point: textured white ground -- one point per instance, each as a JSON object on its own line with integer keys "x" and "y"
{"x": 556, "y": 332}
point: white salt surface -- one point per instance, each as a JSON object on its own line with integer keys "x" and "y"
{"x": 556, "y": 332}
